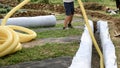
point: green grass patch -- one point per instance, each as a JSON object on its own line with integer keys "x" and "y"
{"x": 117, "y": 15}
{"x": 60, "y": 17}
{"x": 56, "y": 1}
{"x": 49, "y": 50}
{"x": 73, "y": 23}
{"x": 108, "y": 3}
{"x": 3, "y": 11}
{"x": 59, "y": 33}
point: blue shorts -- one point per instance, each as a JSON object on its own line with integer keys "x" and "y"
{"x": 69, "y": 8}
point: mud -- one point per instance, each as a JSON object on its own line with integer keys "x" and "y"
{"x": 56, "y": 8}
{"x": 30, "y": 13}
{"x": 10, "y": 2}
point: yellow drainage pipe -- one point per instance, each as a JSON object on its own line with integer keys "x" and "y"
{"x": 91, "y": 34}
{"x": 9, "y": 39}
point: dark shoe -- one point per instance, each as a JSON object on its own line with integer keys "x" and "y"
{"x": 70, "y": 26}
{"x": 64, "y": 28}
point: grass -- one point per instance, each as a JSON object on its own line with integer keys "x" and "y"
{"x": 109, "y": 3}
{"x": 60, "y": 17}
{"x": 74, "y": 24}
{"x": 59, "y": 33}
{"x": 40, "y": 52}
{"x": 56, "y": 1}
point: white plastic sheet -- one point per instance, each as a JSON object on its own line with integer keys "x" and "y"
{"x": 82, "y": 59}
{"x": 107, "y": 45}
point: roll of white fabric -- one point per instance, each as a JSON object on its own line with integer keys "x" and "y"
{"x": 48, "y": 20}
{"x": 82, "y": 59}
{"x": 107, "y": 45}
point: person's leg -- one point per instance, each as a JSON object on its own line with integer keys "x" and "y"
{"x": 67, "y": 19}
{"x": 69, "y": 7}
{"x": 119, "y": 7}
{"x": 71, "y": 18}
{"x": 72, "y": 13}
{"x": 118, "y": 4}
{"x": 70, "y": 21}
{"x": 117, "y": 1}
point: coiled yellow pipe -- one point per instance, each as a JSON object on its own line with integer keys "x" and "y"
{"x": 28, "y": 34}
{"x": 91, "y": 34}
{"x": 11, "y": 42}
{"x": 9, "y": 38}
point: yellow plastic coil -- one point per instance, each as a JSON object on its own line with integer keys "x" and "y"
{"x": 25, "y": 34}
{"x": 11, "y": 36}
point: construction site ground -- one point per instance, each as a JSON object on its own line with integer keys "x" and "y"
{"x": 64, "y": 62}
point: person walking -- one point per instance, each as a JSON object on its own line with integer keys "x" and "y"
{"x": 118, "y": 4}
{"x": 69, "y": 11}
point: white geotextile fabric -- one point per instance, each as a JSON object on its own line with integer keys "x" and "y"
{"x": 82, "y": 59}
{"x": 48, "y": 20}
{"x": 107, "y": 45}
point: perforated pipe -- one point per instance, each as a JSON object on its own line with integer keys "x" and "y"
{"x": 36, "y": 21}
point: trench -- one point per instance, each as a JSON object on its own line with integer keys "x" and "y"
{"x": 84, "y": 57}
